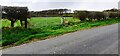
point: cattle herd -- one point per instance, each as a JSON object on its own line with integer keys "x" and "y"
{"x": 21, "y": 13}
{"x": 97, "y": 15}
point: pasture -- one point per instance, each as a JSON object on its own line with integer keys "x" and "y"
{"x": 40, "y": 28}
{"x": 38, "y": 22}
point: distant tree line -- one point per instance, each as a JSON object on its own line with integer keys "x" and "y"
{"x": 51, "y": 13}
{"x": 96, "y": 15}
{"x": 112, "y": 13}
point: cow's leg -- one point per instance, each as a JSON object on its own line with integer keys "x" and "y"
{"x": 12, "y": 23}
{"x": 25, "y": 23}
{"x": 21, "y": 22}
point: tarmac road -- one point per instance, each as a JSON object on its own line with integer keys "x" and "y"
{"x": 100, "y": 40}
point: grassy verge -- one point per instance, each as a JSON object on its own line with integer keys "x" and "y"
{"x": 18, "y": 35}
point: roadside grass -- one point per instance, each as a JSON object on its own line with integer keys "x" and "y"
{"x": 40, "y": 28}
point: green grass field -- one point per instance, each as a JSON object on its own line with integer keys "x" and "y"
{"x": 38, "y": 22}
{"x": 41, "y": 27}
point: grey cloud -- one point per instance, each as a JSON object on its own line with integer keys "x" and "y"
{"x": 76, "y": 5}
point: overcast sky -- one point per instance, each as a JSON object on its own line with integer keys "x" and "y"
{"x": 38, "y": 5}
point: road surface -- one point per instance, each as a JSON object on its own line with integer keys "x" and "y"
{"x": 100, "y": 40}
